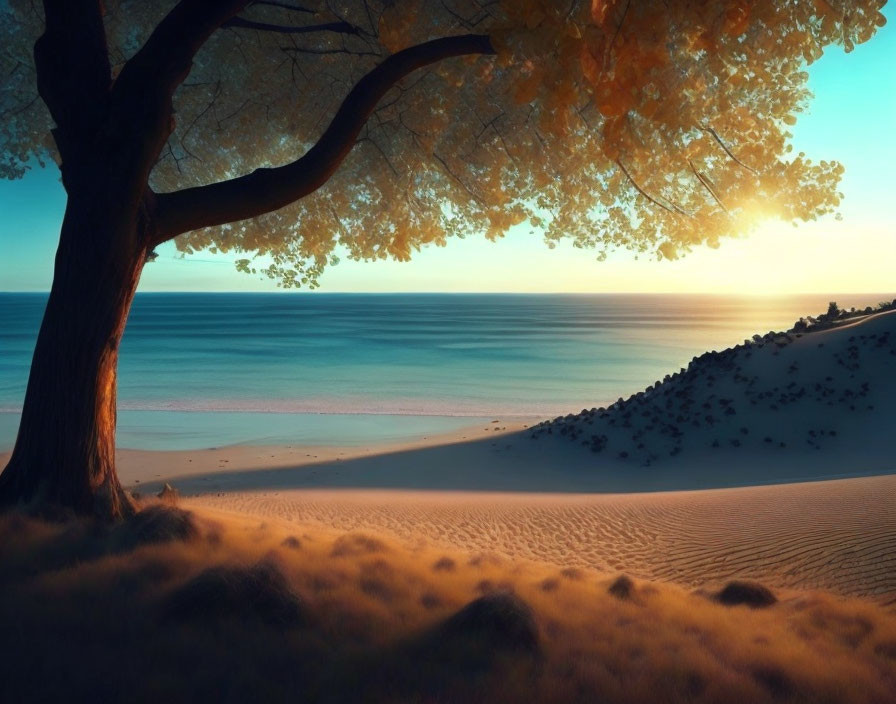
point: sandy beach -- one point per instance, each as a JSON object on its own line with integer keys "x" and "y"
{"x": 491, "y": 496}
{"x": 791, "y": 517}
{"x": 835, "y": 536}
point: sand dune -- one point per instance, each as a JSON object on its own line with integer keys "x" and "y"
{"x": 783, "y": 400}
{"x": 838, "y": 536}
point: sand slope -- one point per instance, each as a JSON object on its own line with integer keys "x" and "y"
{"x": 790, "y": 405}
{"x": 836, "y": 535}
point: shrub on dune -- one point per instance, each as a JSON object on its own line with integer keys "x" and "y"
{"x": 750, "y": 594}
{"x": 444, "y": 564}
{"x": 622, "y": 587}
{"x": 483, "y": 650}
{"x": 500, "y": 622}
{"x": 355, "y": 544}
{"x": 155, "y": 524}
{"x": 258, "y": 592}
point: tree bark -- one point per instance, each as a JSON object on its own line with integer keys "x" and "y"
{"x": 64, "y": 456}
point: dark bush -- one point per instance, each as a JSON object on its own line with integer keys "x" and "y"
{"x": 750, "y": 594}
{"x": 622, "y": 587}
{"x": 259, "y": 592}
{"x": 155, "y": 524}
{"x": 499, "y": 622}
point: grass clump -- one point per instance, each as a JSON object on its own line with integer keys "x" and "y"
{"x": 752, "y": 594}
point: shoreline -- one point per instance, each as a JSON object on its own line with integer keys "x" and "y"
{"x": 496, "y": 457}
{"x": 545, "y": 357}
{"x": 197, "y": 431}
{"x": 157, "y": 466}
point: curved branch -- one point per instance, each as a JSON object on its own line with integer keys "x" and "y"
{"x": 285, "y": 6}
{"x": 266, "y": 190}
{"x": 141, "y": 95}
{"x": 675, "y": 209}
{"x": 141, "y": 98}
{"x": 165, "y": 59}
{"x": 335, "y": 27}
{"x": 708, "y": 185}
{"x": 718, "y": 139}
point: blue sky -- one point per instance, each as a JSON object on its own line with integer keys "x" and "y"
{"x": 851, "y": 119}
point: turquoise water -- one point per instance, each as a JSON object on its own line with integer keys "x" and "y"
{"x": 202, "y": 370}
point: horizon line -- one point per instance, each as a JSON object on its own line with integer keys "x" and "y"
{"x": 307, "y": 292}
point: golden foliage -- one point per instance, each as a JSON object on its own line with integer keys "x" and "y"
{"x": 654, "y": 127}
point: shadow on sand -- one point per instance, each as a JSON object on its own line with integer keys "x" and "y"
{"x": 517, "y": 463}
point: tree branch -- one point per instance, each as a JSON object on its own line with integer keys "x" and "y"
{"x": 325, "y": 52}
{"x": 73, "y": 72}
{"x": 707, "y": 184}
{"x": 336, "y": 27}
{"x": 164, "y": 61}
{"x": 266, "y": 190}
{"x": 285, "y": 6}
{"x": 675, "y": 209}
{"x": 141, "y": 95}
{"x": 718, "y": 139}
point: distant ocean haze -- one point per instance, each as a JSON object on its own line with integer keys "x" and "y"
{"x": 200, "y": 370}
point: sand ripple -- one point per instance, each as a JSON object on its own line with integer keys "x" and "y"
{"x": 838, "y": 536}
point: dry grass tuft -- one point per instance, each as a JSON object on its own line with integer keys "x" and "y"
{"x": 355, "y": 544}
{"x": 887, "y": 650}
{"x": 257, "y": 592}
{"x": 485, "y": 651}
{"x": 493, "y": 639}
{"x": 622, "y": 587}
{"x": 774, "y": 679}
{"x": 500, "y": 623}
{"x": 168, "y": 495}
{"x": 156, "y": 524}
{"x": 550, "y": 584}
{"x": 444, "y": 564}
{"x": 430, "y": 601}
{"x": 378, "y": 579}
{"x": 487, "y": 586}
{"x": 751, "y": 594}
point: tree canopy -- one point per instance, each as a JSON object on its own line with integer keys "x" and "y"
{"x": 650, "y": 126}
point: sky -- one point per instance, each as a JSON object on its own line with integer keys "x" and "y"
{"x": 852, "y": 119}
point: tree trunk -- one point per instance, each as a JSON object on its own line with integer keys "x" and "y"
{"x": 64, "y": 456}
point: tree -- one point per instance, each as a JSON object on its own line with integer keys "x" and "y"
{"x": 379, "y": 126}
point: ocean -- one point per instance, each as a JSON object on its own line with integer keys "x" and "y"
{"x": 212, "y": 369}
